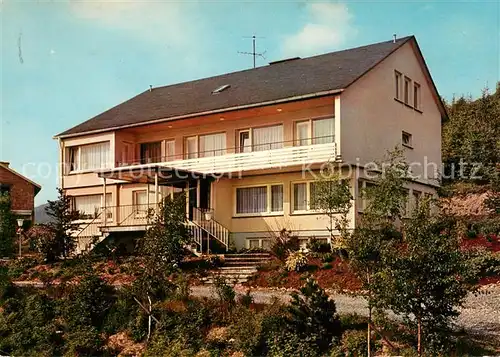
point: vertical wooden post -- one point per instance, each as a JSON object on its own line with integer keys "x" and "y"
{"x": 104, "y": 211}
{"x": 156, "y": 190}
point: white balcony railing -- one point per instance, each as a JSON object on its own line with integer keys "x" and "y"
{"x": 257, "y": 160}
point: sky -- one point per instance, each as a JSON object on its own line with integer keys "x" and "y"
{"x": 64, "y": 62}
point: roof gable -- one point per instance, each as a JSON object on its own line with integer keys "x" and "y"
{"x": 14, "y": 172}
{"x": 279, "y": 81}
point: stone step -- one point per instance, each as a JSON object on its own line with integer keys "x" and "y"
{"x": 210, "y": 281}
{"x": 248, "y": 255}
{"x": 246, "y": 259}
{"x": 238, "y": 268}
{"x": 242, "y": 263}
{"x": 234, "y": 273}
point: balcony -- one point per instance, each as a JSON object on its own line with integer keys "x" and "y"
{"x": 228, "y": 161}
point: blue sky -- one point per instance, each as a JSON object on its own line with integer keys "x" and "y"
{"x": 64, "y": 62}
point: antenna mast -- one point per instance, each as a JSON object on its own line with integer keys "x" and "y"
{"x": 253, "y": 53}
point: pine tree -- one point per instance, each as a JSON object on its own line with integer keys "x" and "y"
{"x": 7, "y": 227}
{"x": 63, "y": 225}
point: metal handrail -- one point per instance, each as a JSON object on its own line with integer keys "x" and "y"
{"x": 211, "y": 226}
{"x": 91, "y": 222}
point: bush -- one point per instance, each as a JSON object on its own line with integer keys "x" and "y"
{"x": 326, "y": 266}
{"x": 327, "y": 258}
{"x": 284, "y": 243}
{"x": 18, "y": 267}
{"x": 296, "y": 261}
{"x": 318, "y": 246}
{"x": 288, "y": 343}
{"x": 313, "y": 316}
{"x": 224, "y": 292}
{"x": 354, "y": 344}
{"x": 246, "y": 300}
{"x": 246, "y": 331}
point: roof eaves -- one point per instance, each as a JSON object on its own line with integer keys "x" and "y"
{"x": 37, "y": 186}
{"x": 186, "y": 116}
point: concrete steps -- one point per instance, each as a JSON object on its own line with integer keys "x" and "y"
{"x": 238, "y": 268}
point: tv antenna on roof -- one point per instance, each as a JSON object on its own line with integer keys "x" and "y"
{"x": 253, "y": 53}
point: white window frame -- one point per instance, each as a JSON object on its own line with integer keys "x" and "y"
{"x": 398, "y": 84}
{"x": 197, "y": 140}
{"x": 308, "y": 209}
{"x": 407, "y": 101}
{"x": 186, "y": 146}
{"x": 417, "y": 99}
{"x": 167, "y": 156}
{"x": 108, "y": 165}
{"x": 259, "y": 239}
{"x": 310, "y": 129}
{"x": 269, "y": 201}
{"x": 108, "y": 204}
{"x": 410, "y": 139}
{"x": 250, "y": 130}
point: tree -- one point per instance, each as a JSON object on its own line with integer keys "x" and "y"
{"x": 63, "y": 225}
{"x": 377, "y": 230}
{"x": 427, "y": 277}
{"x": 332, "y": 196}
{"x": 313, "y": 316}
{"x": 7, "y": 227}
{"x": 163, "y": 245}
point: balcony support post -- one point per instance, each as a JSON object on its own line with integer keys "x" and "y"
{"x": 104, "y": 211}
{"x": 156, "y": 190}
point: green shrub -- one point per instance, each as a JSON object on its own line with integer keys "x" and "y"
{"x": 313, "y": 316}
{"x": 326, "y": 266}
{"x": 288, "y": 343}
{"x": 246, "y": 331}
{"x": 284, "y": 243}
{"x": 18, "y": 267}
{"x": 328, "y": 257}
{"x": 318, "y": 246}
{"x": 296, "y": 261}
{"x": 354, "y": 343}
{"x": 83, "y": 341}
{"x": 246, "y": 300}
{"x": 224, "y": 292}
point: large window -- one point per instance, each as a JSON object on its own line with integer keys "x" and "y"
{"x": 316, "y": 131}
{"x": 259, "y": 199}
{"x": 212, "y": 145}
{"x": 416, "y": 95}
{"x": 150, "y": 152}
{"x": 267, "y": 138}
{"x": 303, "y": 193}
{"x": 397, "y": 84}
{"x": 407, "y": 90}
{"x": 170, "y": 150}
{"x": 89, "y": 206}
{"x": 205, "y": 145}
{"x": 89, "y": 157}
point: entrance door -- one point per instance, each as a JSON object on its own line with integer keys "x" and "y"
{"x": 205, "y": 192}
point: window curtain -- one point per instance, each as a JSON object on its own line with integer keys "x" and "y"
{"x": 88, "y": 206}
{"x": 190, "y": 151}
{"x": 73, "y": 158}
{"x": 268, "y": 138}
{"x": 94, "y": 156}
{"x": 213, "y": 145}
{"x": 277, "y": 198}
{"x": 300, "y": 196}
{"x": 251, "y": 200}
{"x": 170, "y": 148}
{"x": 323, "y": 131}
{"x": 302, "y": 133}
{"x": 150, "y": 152}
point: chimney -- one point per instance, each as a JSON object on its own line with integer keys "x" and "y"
{"x": 4, "y": 163}
{"x": 394, "y": 38}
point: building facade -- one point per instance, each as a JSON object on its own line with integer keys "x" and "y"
{"x": 22, "y": 192}
{"x": 247, "y": 146}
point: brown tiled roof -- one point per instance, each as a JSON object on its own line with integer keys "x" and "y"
{"x": 287, "y": 79}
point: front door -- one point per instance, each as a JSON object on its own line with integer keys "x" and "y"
{"x": 205, "y": 191}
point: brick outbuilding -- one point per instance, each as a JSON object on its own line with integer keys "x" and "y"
{"x": 22, "y": 191}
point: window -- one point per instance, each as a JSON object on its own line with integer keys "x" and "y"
{"x": 262, "y": 243}
{"x": 90, "y": 206}
{"x": 212, "y": 145}
{"x": 416, "y": 198}
{"x": 416, "y": 95}
{"x": 320, "y": 130}
{"x": 170, "y": 150}
{"x": 4, "y": 189}
{"x": 89, "y": 157}
{"x": 150, "y": 152}
{"x": 190, "y": 147}
{"x": 363, "y": 188}
{"x": 277, "y": 198}
{"x": 397, "y": 77}
{"x": 267, "y": 138}
{"x": 261, "y": 199}
{"x": 245, "y": 144}
{"x": 300, "y": 196}
{"x": 323, "y": 131}
{"x": 407, "y": 90}
{"x": 302, "y": 133}
{"x": 406, "y": 139}
{"x": 127, "y": 153}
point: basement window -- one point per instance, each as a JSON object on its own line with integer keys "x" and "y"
{"x": 221, "y": 88}
{"x": 406, "y": 139}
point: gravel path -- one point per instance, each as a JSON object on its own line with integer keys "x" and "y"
{"x": 480, "y": 316}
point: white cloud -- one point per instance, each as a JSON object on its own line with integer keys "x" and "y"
{"x": 328, "y": 28}
{"x": 165, "y": 22}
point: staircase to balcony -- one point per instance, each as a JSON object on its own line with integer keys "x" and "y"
{"x": 209, "y": 234}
